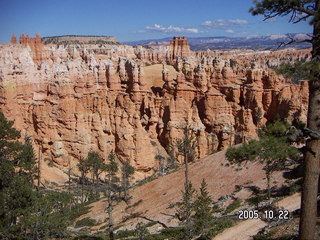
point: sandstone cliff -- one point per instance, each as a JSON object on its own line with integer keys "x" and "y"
{"x": 71, "y": 100}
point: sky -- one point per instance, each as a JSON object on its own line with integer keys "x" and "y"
{"x": 130, "y": 20}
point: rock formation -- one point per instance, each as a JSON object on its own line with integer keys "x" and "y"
{"x": 179, "y": 46}
{"x": 71, "y": 100}
{"x": 34, "y": 43}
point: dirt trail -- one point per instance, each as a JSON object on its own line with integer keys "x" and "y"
{"x": 248, "y": 228}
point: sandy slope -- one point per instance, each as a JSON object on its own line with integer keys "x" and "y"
{"x": 154, "y": 75}
{"x": 156, "y": 196}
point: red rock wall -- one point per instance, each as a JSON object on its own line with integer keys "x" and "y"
{"x": 35, "y": 44}
{"x": 72, "y": 102}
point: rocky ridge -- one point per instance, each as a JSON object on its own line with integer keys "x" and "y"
{"x": 136, "y": 101}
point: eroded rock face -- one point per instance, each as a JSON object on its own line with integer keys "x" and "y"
{"x": 71, "y": 101}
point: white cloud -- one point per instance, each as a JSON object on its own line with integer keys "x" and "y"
{"x": 169, "y": 29}
{"x": 222, "y": 24}
{"x": 229, "y": 31}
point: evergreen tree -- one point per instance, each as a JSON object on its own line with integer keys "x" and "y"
{"x": 17, "y": 162}
{"x": 112, "y": 188}
{"x": 271, "y": 150}
{"x": 49, "y": 216}
{"x": 127, "y": 172}
{"x": 301, "y": 10}
{"x": 84, "y": 168}
{"x": 24, "y": 212}
{"x": 297, "y": 71}
{"x": 96, "y": 165}
{"x": 141, "y": 231}
{"x": 184, "y": 210}
{"x": 202, "y": 207}
{"x": 186, "y": 147}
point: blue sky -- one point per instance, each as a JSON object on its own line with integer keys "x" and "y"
{"x": 138, "y": 19}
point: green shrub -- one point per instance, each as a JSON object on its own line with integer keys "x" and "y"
{"x": 257, "y": 199}
{"x": 293, "y": 189}
{"x": 286, "y": 237}
{"x": 168, "y": 233}
{"x": 261, "y": 236}
{"x": 233, "y": 206}
{"x": 141, "y": 231}
{"x": 221, "y": 224}
{"x": 268, "y": 236}
{"x": 86, "y": 222}
{"x": 78, "y": 210}
{"x": 88, "y": 237}
{"x": 147, "y": 179}
{"x": 125, "y": 233}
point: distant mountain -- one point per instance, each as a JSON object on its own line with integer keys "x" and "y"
{"x": 149, "y": 41}
{"x": 253, "y": 42}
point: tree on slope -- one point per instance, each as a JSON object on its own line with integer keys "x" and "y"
{"x": 96, "y": 165}
{"x": 17, "y": 166}
{"x": 127, "y": 172}
{"x": 301, "y": 10}
{"x": 184, "y": 210}
{"x": 84, "y": 168}
{"x": 271, "y": 150}
{"x": 202, "y": 207}
{"x": 186, "y": 147}
{"x": 112, "y": 189}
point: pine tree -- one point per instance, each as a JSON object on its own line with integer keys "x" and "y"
{"x": 202, "y": 207}
{"x": 111, "y": 192}
{"x": 141, "y": 231}
{"x": 84, "y": 168}
{"x": 184, "y": 210}
{"x": 301, "y": 10}
{"x": 271, "y": 150}
{"x": 186, "y": 147}
{"x": 17, "y": 166}
{"x": 96, "y": 165}
{"x": 127, "y": 172}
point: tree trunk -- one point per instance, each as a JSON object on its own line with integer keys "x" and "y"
{"x": 39, "y": 162}
{"x": 82, "y": 182}
{"x": 268, "y": 186}
{"x": 312, "y": 156}
{"x": 111, "y": 237}
{"x": 110, "y": 208}
{"x": 186, "y": 173}
{"x": 309, "y": 194}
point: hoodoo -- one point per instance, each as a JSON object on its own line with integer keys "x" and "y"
{"x": 71, "y": 99}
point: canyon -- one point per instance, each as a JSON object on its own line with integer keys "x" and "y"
{"x": 135, "y": 101}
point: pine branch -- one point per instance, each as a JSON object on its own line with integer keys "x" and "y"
{"x": 155, "y": 221}
{"x": 301, "y": 19}
{"x": 307, "y": 11}
{"x": 292, "y": 40}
